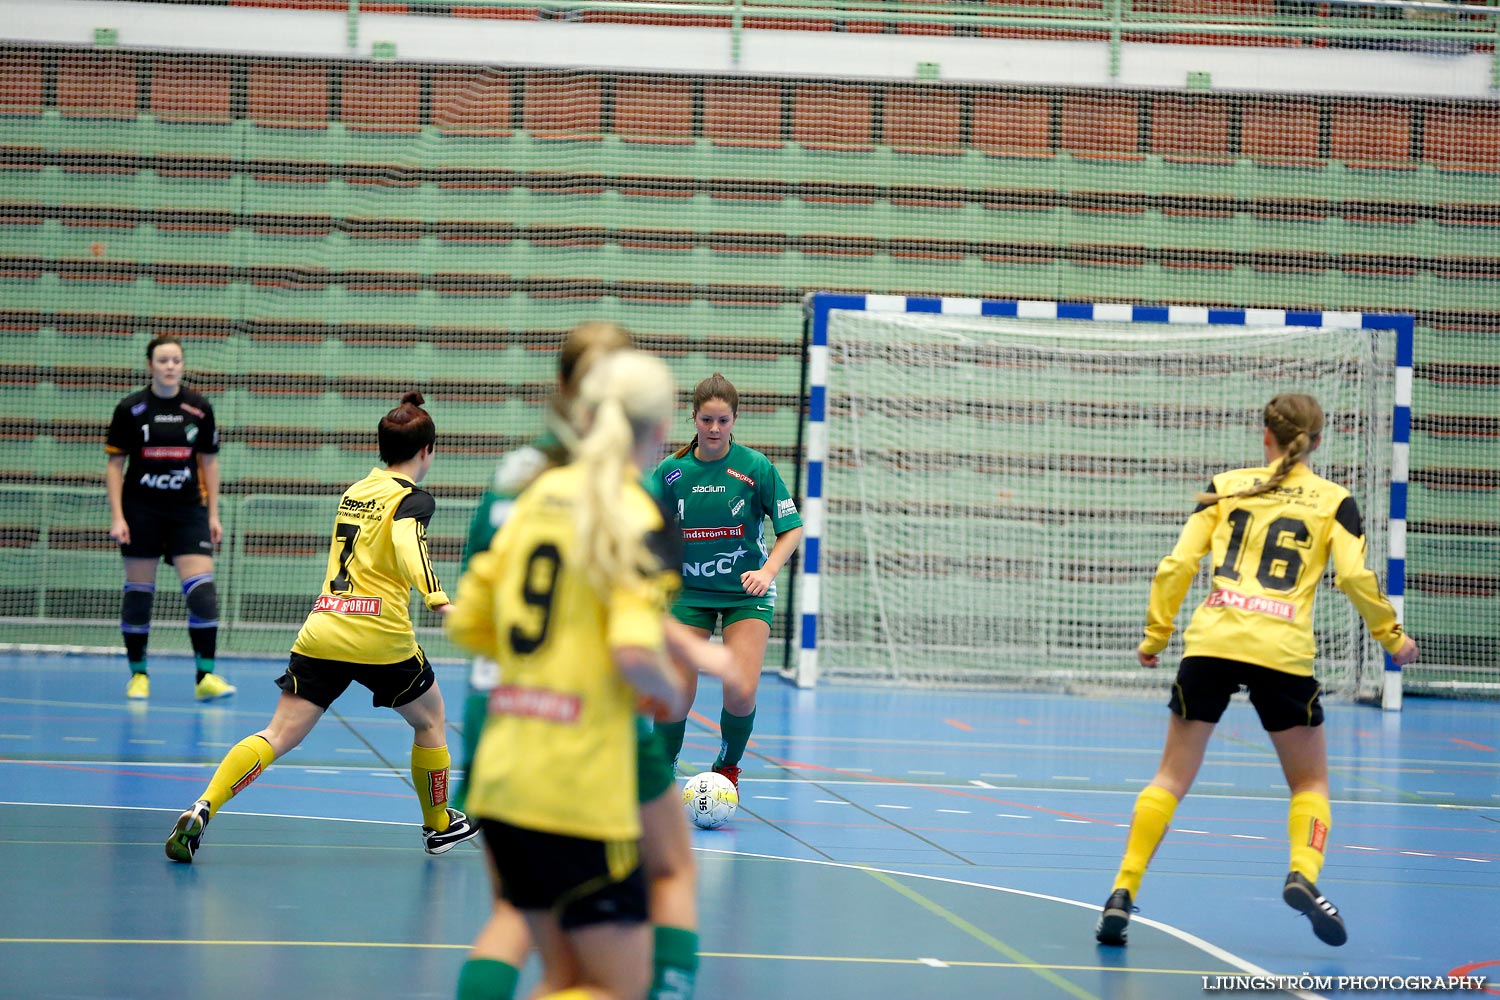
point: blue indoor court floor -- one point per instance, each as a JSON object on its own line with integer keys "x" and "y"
{"x": 891, "y": 843}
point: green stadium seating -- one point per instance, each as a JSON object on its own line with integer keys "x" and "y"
{"x": 699, "y": 233}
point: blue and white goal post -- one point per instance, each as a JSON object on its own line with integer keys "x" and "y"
{"x": 987, "y": 485}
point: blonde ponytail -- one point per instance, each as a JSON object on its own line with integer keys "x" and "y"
{"x": 609, "y": 553}
{"x": 625, "y": 396}
{"x": 1295, "y": 421}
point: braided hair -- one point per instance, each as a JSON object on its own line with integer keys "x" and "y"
{"x": 1295, "y": 420}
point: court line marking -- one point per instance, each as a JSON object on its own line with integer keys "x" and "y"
{"x": 226, "y": 811}
{"x": 961, "y": 963}
{"x": 814, "y": 782}
{"x": 438, "y": 946}
{"x": 89, "y": 769}
{"x": 242, "y": 944}
{"x": 1192, "y": 940}
{"x": 1349, "y": 762}
{"x": 100, "y": 767}
{"x": 994, "y": 943}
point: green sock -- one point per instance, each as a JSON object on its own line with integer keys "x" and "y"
{"x": 674, "y": 964}
{"x": 205, "y": 665}
{"x": 735, "y": 731}
{"x": 672, "y": 734}
{"x": 476, "y": 710}
{"x": 487, "y": 979}
{"x": 138, "y": 666}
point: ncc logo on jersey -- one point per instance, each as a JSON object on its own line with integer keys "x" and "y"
{"x": 718, "y": 564}
{"x": 173, "y": 480}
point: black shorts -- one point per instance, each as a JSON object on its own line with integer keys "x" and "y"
{"x": 391, "y": 684}
{"x": 160, "y": 532}
{"x": 581, "y": 882}
{"x": 1204, "y": 685}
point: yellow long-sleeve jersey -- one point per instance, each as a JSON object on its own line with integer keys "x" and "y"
{"x": 377, "y": 554}
{"x": 1269, "y": 552}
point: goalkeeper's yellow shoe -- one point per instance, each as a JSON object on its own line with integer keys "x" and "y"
{"x": 213, "y": 687}
{"x": 139, "y": 686}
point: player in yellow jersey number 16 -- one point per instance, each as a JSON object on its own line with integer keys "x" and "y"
{"x": 1271, "y": 530}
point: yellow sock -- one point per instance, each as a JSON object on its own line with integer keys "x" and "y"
{"x": 1148, "y": 825}
{"x": 240, "y": 766}
{"x": 575, "y": 993}
{"x": 429, "y": 772}
{"x": 1307, "y": 824}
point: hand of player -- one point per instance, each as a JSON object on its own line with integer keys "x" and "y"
{"x": 1148, "y": 659}
{"x": 654, "y": 707}
{"x": 119, "y": 531}
{"x": 444, "y": 609}
{"x": 215, "y": 529}
{"x": 757, "y": 581}
{"x": 1407, "y": 653}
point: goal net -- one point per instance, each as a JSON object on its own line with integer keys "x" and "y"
{"x": 998, "y": 491}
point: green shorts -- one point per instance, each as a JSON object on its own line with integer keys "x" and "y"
{"x": 653, "y": 771}
{"x": 706, "y": 617}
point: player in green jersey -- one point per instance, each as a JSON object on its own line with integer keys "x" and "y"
{"x": 723, "y": 492}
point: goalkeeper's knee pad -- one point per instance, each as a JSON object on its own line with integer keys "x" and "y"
{"x": 135, "y": 608}
{"x": 202, "y": 600}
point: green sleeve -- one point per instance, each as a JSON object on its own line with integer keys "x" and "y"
{"x": 481, "y": 529}
{"x": 782, "y": 509}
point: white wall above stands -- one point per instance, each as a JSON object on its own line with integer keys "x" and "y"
{"x": 573, "y": 44}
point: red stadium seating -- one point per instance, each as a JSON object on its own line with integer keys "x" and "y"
{"x": 742, "y": 113}
{"x": 832, "y": 116}
{"x": 187, "y": 88}
{"x": 1008, "y": 124}
{"x": 564, "y": 106}
{"x": 472, "y": 101}
{"x": 654, "y": 109}
{"x": 1371, "y": 134}
{"x": 93, "y": 87}
{"x": 922, "y": 119}
{"x": 287, "y": 93}
{"x": 382, "y": 97}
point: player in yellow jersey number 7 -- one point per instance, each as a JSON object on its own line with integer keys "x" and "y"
{"x": 359, "y": 630}
{"x": 1271, "y": 530}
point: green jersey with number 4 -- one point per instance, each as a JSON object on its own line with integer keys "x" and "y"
{"x": 722, "y": 507}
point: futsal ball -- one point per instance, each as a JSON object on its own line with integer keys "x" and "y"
{"x": 710, "y": 800}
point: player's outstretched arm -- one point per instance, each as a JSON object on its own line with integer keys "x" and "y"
{"x": 648, "y": 671}
{"x": 694, "y": 652}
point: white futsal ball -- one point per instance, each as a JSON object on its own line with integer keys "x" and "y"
{"x": 710, "y": 800}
